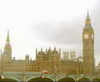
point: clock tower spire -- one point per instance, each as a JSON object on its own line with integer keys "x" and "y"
{"x": 88, "y": 20}
{"x": 88, "y": 47}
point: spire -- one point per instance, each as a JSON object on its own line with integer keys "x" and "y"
{"x": 88, "y": 20}
{"x": 54, "y": 48}
{"x": 59, "y": 50}
{"x": 46, "y": 50}
{"x": 7, "y": 48}
{"x": 99, "y": 63}
{"x": 8, "y": 39}
{"x": 41, "y": 49}
{"x": 36, "y": 51}
{"x": 49, "y": 48}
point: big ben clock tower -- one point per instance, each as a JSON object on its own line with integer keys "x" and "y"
{"x": 88, "y": 47}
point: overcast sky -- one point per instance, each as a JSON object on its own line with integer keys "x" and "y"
{"x": 42, "y": 23}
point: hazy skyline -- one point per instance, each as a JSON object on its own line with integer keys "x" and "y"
{"x": 42, "y": 23}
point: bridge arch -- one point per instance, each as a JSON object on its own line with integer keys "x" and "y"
{"x": 96, "y": 80}
{"x": 42, "y": 78}
{"x": 11, "y": 79}
{"x": 67, "y": 79}
{"x": 84, "y": 79}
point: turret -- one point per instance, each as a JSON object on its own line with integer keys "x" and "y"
{"x": 7, "y": 55}
{"x": 60, "y": 51}
{"x": 8, "y": 49}
{"x": 72, "y": 55}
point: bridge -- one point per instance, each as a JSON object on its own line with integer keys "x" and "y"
{"x": 37, "y": 76}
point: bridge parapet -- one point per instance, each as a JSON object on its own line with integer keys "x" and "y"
{"x": 26, "y": 76}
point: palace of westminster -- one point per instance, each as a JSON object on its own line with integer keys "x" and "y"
{"x": 51, "y": 61}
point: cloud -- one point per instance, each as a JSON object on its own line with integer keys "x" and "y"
{"x": 60, "y": 33}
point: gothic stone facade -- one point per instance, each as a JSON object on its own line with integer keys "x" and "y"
{"x": 50, "y": 61}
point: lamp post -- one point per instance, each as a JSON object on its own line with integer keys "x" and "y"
{"x": 42, "y": 75}
{"x": 66, "y": 74}
{"x": 23, "y": 76}
{"x": 1, "y": 73}
{"x": 77, "y": 75}
{"x": 23, "y": 73}
{"x": 1, "y": 78}
{"x": 55, "y": 76}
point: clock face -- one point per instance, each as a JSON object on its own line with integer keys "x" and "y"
{"x": 86, "y": 36}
